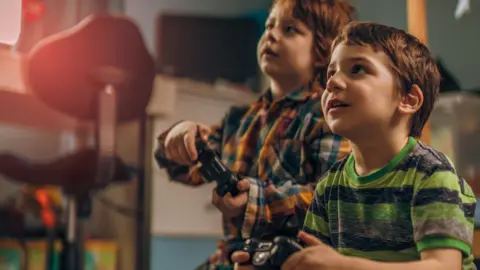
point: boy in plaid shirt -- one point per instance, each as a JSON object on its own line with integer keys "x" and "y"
{"x": 280, "y": 144}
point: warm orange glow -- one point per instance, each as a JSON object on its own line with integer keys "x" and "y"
{"x": 46, "y": 204}
{"x": 33, "y": 10}
{"x": 417, "y": 26}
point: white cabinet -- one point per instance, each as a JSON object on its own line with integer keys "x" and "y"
{"x": 178, "y": 209}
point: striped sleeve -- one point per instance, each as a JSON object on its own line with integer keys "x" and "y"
{"x": 443, "y": 208}
{"x": 316, "y": 219}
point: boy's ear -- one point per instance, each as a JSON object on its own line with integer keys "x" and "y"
{"x": 412, "y": 102}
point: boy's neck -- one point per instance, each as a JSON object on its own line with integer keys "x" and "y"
{"x": 283, "y": 87}
{"x": 376, "y": 152}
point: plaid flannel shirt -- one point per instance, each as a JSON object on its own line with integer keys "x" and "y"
{"x": 282, "y": 146}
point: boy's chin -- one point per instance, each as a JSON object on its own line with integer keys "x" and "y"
{"x": 339, "y": 128}
{"x": 272, "y": 71}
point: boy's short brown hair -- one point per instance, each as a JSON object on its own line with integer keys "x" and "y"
{"x": 325, "y": 18}
{"x": 411, "y": 61}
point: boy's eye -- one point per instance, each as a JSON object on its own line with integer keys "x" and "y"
{"x": 357, "y": 69}
{"x": 290, "y": 28}
{"x": 269, "y": 26}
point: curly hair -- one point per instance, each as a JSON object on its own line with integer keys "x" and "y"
{"x": 325, "y": 18}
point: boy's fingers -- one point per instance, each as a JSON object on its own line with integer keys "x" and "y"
{"x": 240, "y": 257}
{"x": 309, "y": 239}
{"x": 243, "y": 185}
{"x": 189, "y": 142}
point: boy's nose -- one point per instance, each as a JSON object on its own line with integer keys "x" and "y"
{"x": 272, "y": 35}
{"x": 336, "y": 83}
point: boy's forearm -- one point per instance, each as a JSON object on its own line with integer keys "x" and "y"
{"x": 355, "y": 263}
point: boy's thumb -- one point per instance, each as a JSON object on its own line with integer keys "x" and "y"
{"x": 204, "y": 131}
{"x": 240, "y": 257}
{"x": 309, "y": 239}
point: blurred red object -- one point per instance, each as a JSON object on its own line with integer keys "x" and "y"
{"x": 46, "y": 205}
{"x": 474, "y": 183}
{"x": 33, "y": 10}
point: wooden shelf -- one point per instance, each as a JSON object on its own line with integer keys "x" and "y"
{"x": 476, "y": 244}
{"x": 417, "y": 26}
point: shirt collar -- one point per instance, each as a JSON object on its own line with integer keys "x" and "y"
{"x": 298, "y": 95}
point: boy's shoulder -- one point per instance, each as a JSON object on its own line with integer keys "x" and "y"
{"x": 307, "y": 111}
{"x": 422, "y": 159}
{"x": 434, "y": 170}
{"x": 426, "y": 160}
{"x": 235, "y": 114}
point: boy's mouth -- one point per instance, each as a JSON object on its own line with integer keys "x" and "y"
{"x": 268, "y": 51}
{"x": 335, "y": 104}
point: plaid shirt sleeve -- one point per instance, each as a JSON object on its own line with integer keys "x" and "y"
{"x": 181, "y": 173}
{"x": 265, "y": 201}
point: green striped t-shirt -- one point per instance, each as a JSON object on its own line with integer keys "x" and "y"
{"x": 414, "y": 203}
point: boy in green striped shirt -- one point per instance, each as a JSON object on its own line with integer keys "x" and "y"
{"x": 394, "y": 203}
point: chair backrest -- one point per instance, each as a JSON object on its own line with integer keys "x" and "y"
{"x": 61, "y": 69}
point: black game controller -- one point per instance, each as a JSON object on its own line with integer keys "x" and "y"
{"x": 271, "y": 250}
{"x": 270, "y": 255}
{"x": 212, "y": 169}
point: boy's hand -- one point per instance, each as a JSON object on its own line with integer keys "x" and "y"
{"x": 232, "y": 206}
{"x": 180, "y": 142}
{"x": 316, "y": 255}
{"x": 241, "y": 257}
